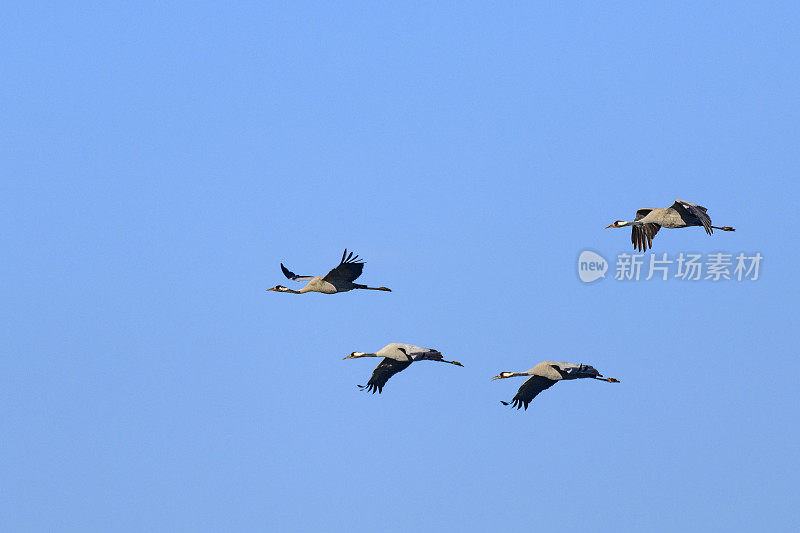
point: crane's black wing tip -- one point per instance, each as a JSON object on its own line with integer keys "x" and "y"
{"x": 291, "y": 275}
{"x": 519, "y": 404}
{"x": 352, "y": 258}
{"x": 642, "y": 238}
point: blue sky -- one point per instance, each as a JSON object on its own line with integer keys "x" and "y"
{"x": 160, "y": 161}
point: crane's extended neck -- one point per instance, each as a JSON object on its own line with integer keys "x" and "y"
{"x": 503, "y": 375}
{"x": 356, "y": 355}
{"x": 281, "y": 288}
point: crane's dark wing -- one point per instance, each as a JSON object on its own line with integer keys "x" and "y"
{"x": 292, "y": 276}
{"x": 696, "y": 213}
{"x": 528, "y": 391}
{"x": 642, "y": 235}
{"x": 385, "y": 369}
{"x": 348, "y": 270}
{"x": 643, "y": 212}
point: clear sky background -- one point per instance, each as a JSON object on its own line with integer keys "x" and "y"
{"x": 160, "y": 161}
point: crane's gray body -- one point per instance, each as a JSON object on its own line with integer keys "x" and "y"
{"x": 557, "y": 371}
{"x": 667, "y": 217}
{"x": 401, "y": 351}
{"x": 319, "y": 284}
{"x": 680, "y": 214}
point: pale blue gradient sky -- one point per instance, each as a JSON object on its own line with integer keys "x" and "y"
{"x": 159, "y": 162}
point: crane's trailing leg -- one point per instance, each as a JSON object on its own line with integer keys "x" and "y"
{"x": 724, "y": 228}
{"x": 372, "y": 288}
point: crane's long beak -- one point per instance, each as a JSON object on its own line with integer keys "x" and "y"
{"x": 498, "y": 376}
{"x": 272, "y": 289}
{"x": 348, "y": 357}
{"x": 609, "y": 226}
